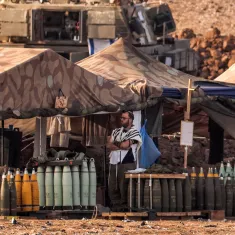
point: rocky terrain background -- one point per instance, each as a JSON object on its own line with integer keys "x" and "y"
{"x": 211, "y": 27}
{"x": 203, "y": 14}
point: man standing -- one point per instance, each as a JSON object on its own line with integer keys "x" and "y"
{"x": 124, "y": 144}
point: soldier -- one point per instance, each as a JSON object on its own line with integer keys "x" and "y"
{"x": 124, "y": 144}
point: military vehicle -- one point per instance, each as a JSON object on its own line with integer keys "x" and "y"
{"x": 67, "y": 28}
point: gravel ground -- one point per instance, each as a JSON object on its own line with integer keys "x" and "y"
{"x": 101, "y": 226}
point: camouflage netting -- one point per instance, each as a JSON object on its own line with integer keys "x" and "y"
{"x": 113, "y": 79}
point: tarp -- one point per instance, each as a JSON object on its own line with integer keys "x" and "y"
{"x": 228, "y": 76}
{"x": 30, "y": 80}
{"x": 118, "y": 77}
{"x": 126, "y": 67}
{"x": 222, "y": 111}
{"x": 224, "y": 85}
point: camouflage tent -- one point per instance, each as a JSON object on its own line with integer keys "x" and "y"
{"x": 118, "y": 77}
{"x": 127, "y": 67}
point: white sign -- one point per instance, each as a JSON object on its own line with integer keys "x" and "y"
{"x": 186, "y": 137}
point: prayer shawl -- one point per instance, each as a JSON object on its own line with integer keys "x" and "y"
{"x": 118, "y": 135}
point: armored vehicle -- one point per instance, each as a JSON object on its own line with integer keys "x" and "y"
{"x": 67, "y": 28}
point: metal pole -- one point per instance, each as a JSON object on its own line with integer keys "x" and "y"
{"x": 164, "y": 32}
{"x": 2, "y": 145}
{"x": 104, "y": 172}
{"x": 40, "y": 137}
{"x": 81, "y": 27}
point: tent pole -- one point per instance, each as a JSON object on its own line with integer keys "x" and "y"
{"x": 187, "y": 118}
{"x": 2, "y": 145}
{"x": 104, "y": 175}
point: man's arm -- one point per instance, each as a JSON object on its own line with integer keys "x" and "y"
{"x": 125, "y": 145}
{"x": 112, "y": 146}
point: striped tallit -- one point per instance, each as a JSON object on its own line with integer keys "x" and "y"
{"x": 119, "y": 135}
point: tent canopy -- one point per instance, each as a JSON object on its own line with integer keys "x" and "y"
{"x": 125, "y": 66}
{"x": 118, "y": 77}
{"x": 30, "y": 81}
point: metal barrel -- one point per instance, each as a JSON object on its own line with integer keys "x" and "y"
{"x": 76, "y": 187}
{"x": 172, "y": 195}
{"x": 187, "y": 194}
{"x": 139, "y": 197}
{"x": 131, "y": 198}
{"x": 26, "y": 193}
{"x": 218, "y": 193}
{"x": 18, "y": 184}
{"x": 221, "y": 170}
{"x": 233, "y": 185}
{"x": 58, "y": 190}
{"x": 84, "y": 183}
{"x": 12, "y": 188}
{"x": 93, "y": 183}
{"x": 209, "y": 191}
{"x": 229, "y": 197}
{"x": 229, "y": 171}
{"x": 146, "y": 194}
{"x": 35, "y": 191}
{"x": 200, "y": 189}
{"x": 41, "y": 187}
{"x": 179, "y": 195}
{"x": 223, "y": 192}
{"x": 49, "y": 187}
{"x": 165, "y": 195}
{"x": 8, "y": 176}
{"x": 157, "y": 195}
{"x": 5, "y": 206}
{"x": 67, "y": 188}
{"x": 193, "y": 178}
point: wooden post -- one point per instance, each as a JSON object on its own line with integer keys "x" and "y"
{"x": 2, "y": 144}
{"x": 187, "y": 118}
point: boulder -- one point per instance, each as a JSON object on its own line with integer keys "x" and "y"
{"x": 212, "y": 33}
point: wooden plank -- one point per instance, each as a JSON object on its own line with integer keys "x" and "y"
{"x": 18, "y": 217}
{"x": 14, "y": 29}
{"x": 155, "y": 176}
{"x": 102, "y": 31}
{"x": 125, "y": 214}
{"x": 101, "y": 17}
{"x": 194, "y": 213}
{"x": 171, "y": 214}
{"x": 13, "y": 15}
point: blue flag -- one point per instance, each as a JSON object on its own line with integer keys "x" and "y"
{"x": 149, "y": 151}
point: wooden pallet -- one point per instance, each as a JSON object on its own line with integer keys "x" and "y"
{"x": 17, "y": 217}
{"x": 155, "y": 176}
{"x": 125, "y": 215}
{"x": 178, "y": 214}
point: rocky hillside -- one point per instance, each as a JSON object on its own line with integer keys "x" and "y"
{"x": 210, "y": 25}
{"x": 217, "y": 52}
{"x": 204, "y": 14}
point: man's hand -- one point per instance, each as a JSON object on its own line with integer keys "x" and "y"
{"x": 111, "y": 145}
{"x": 125, "y": 145}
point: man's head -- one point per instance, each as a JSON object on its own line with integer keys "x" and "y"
{"x": 127, "y": 118}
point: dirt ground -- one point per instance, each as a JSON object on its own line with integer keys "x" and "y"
{"x": 102, "y": 226}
